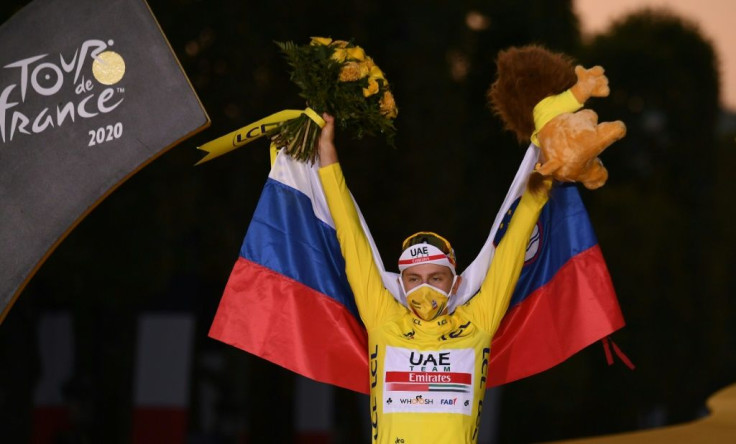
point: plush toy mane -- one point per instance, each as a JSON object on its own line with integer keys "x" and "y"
{"x": 524, "y": 76}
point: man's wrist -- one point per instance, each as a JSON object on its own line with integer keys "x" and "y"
{"x": 327, "y": 155}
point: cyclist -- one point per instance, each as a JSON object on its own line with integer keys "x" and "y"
{"x": 427, "y": 366}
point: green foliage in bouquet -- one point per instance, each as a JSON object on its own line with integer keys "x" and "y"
{"x": 336, "y": 77}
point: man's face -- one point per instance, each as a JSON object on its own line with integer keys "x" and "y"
{"x": 438, "y": 276}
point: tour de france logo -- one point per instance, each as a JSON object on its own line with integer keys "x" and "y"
{"x": 47, "y": 91}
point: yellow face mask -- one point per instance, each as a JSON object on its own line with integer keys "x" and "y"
{"x": 426, "y": 301}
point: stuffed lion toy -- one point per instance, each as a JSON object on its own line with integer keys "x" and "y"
{"x": 537, "y": 94}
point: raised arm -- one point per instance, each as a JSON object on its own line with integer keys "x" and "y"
{"x": 326, "y": 148}
{"x": 488, "y": 307}
{"x": 373, "y": 300}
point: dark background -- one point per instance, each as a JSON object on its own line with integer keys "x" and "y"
{"x": 167, "y": 238}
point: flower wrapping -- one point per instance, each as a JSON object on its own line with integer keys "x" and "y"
{"x": 336, "y": 77}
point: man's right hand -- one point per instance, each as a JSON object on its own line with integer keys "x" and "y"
{"x": 326, "y": 146}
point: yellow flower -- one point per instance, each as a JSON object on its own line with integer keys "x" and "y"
{"x": 320, "y": 41}
{"x": 349, "y": 72}
{"x": 340, "y": 43}
{"x": 356, "y": 53}
{"x": 376, "y": 72}
{"x": 352, "y": 71}
{"x": 388, "y": 105}
{"x": 340, "y": 55}
{"x": 372, "y": 87}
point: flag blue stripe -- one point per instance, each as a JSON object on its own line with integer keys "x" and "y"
{"x": 286, "y": 237}
{"x": 565, "y": 232}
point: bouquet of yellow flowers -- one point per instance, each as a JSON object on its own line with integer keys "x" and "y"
{"x": 336, "y": 77}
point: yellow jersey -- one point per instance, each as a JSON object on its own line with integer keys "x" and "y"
{"x": 427, "y": 378}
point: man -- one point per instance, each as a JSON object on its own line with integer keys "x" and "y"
{"x": 427, "y": 366}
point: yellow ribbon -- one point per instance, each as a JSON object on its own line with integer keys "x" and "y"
{"x": 315, "y": 117}
{"x": 256, "y": 130}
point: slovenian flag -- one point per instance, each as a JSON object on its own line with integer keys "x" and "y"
{"x": 564, "y": 299}
{"x": 288, "y": 299}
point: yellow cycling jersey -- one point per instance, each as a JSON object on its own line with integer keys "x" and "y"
{"x": 427, "y": 378}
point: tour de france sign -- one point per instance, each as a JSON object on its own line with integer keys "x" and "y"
{"x": 90, "y": 92}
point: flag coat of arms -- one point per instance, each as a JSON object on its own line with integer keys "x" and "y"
{"x": 288, "y": 300}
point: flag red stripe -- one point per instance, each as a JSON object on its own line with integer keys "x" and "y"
{"x": 573, "y": 310}
{"x": 279, "y": 319}
{"x": 436, "y": 377}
